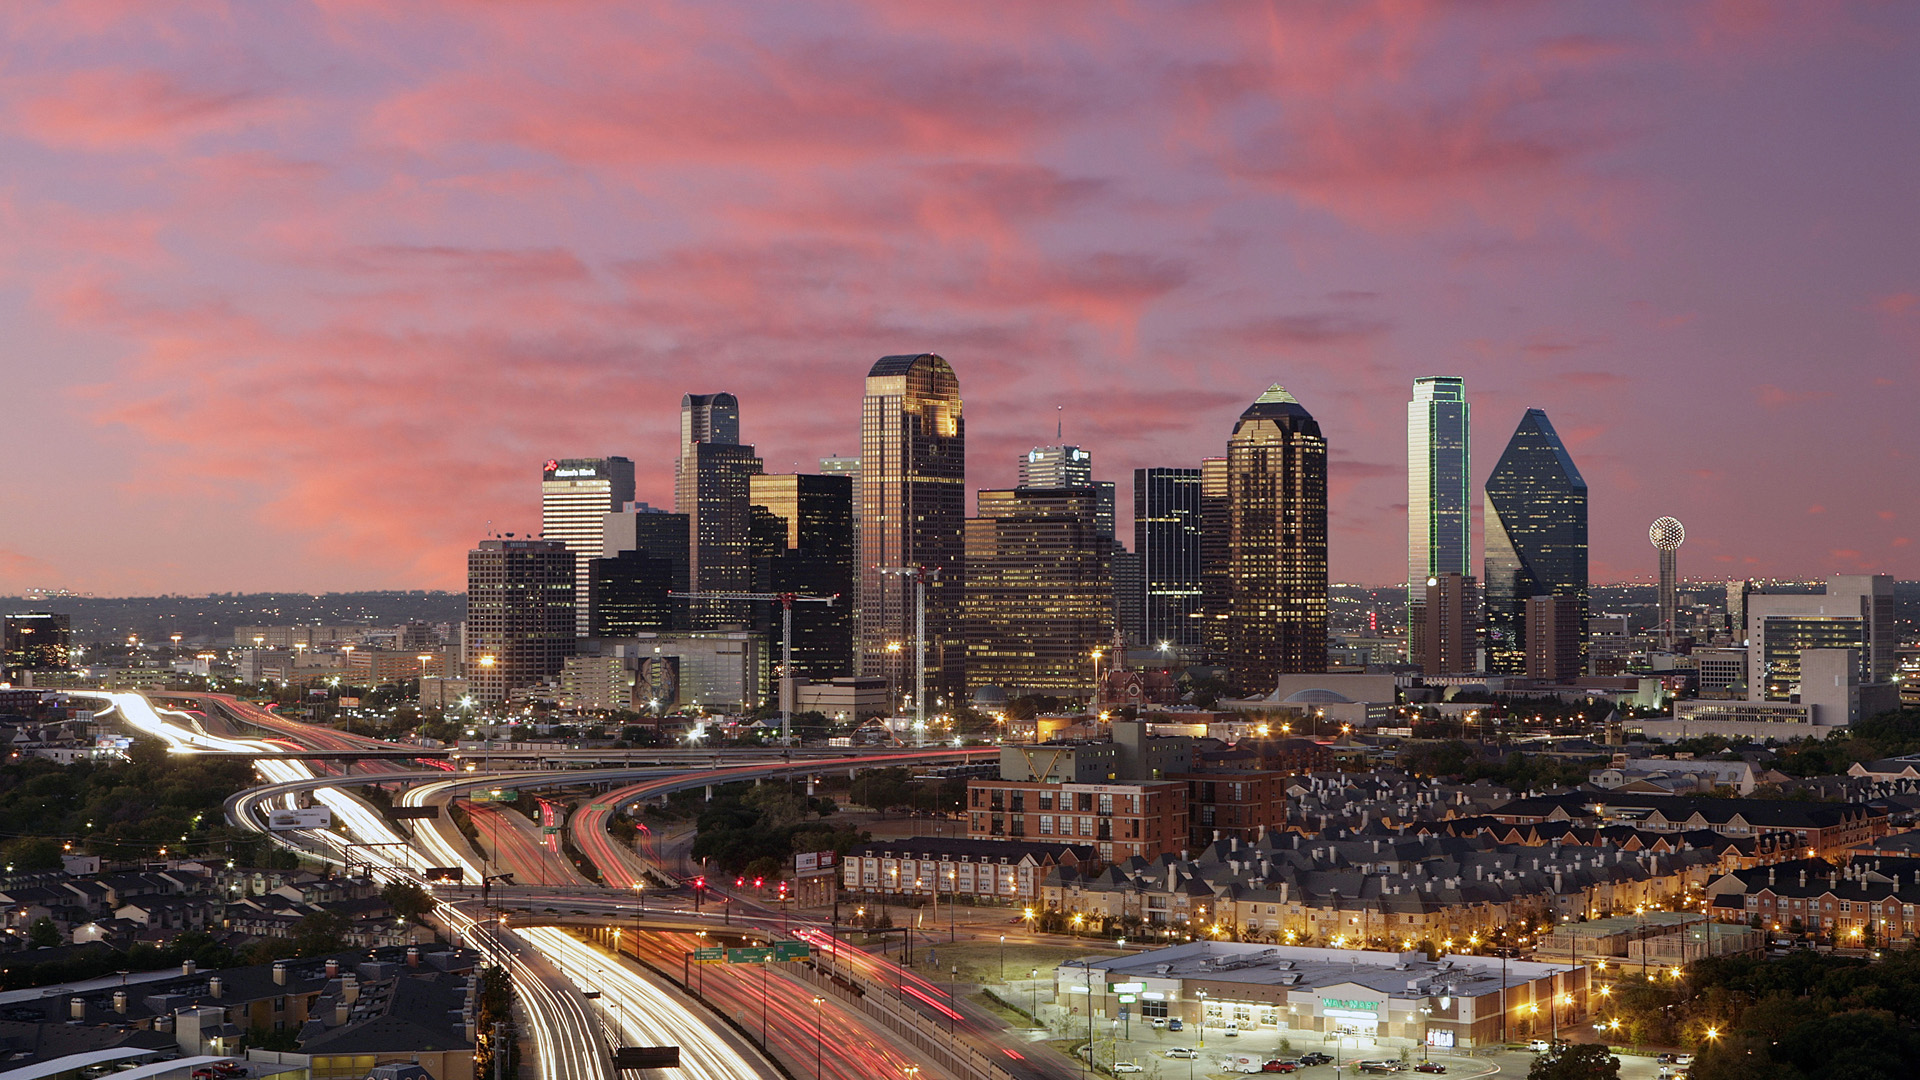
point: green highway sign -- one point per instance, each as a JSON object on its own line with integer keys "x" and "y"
{"x": 715, "y": 955}
{"x": 599, "y": 806}
{"x": 758, "y": 954}
{"x": 497, "y": 795}
{"x": 791, "y": 950}
{"x": 549, "y": 830}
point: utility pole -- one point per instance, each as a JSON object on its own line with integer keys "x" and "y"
{"x": 919, "y": 574}
{"x": 786, "y": 601}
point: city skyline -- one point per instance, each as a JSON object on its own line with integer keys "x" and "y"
{"x": 301, "y": 298}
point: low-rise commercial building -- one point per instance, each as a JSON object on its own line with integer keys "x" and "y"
{"x": 1318, "y": 995}
{"x": 928, "y": 867}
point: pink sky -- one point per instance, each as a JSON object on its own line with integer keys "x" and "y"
{"x": 300, "y": 296}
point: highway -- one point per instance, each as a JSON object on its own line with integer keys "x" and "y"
{"x": 550, "y": 965}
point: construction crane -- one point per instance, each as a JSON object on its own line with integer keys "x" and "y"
{"x": 786, "y": 601}
{"x": 919, "y": 574}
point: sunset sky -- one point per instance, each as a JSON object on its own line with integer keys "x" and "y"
{"x": 301, "y": 295}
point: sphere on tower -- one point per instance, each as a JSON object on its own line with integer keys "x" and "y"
{"x": 1667, "y": 534}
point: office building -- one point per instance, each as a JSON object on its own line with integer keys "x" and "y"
{"x": 1039, "y": 591}
{"x": 1276, "y": 541}
{"x": 642, "y": 578}
{"x": 715, "y": 671}
{"x": 38, "y": 641}
{"x": 1856, "y": 611}
{"x": 1554, "y": 623}
{"x": 1721, "y": 673}
{"x": 1065, "y": 467}
{"x": 1536, "y": 535}
{"x": 1439, "y": 532}
{"x": 718, "y": 480}
{"x": 1216, "y": 579}
{"x": 1129, "y": 599}
{"x": 1446, "y": 631}
{"x": 913, "y": 477}
{"x": 1666, "y": 535}
{"x": 576, "y": 495}
{"x": 1167, "y": 539}
{"x": 520, "y": 615}
{"x": 1609, "y": 642}
{"x": 704, "y": 418}
{"x": 804, "y": 545}
{"x": 1736, "y": 624}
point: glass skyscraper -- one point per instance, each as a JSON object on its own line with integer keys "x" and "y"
{"x": 576, "y": 495}
{"x": 1166, "y": 537}
{"x": 1536, "y": 523}
{"x": 1276, "y": 542}
{"x": 1439, "y": 534}
{"x": 913, "y": 487}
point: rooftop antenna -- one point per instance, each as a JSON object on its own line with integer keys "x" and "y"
{"x": 1059, "y": 420}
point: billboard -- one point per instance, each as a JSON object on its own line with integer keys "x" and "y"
{"x": 315, "y": 817}
{"x": 813, "y": 862}
{"x": 659, "y": 681}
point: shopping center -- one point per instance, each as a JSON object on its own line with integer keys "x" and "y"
{"x": 1364, "y": 997}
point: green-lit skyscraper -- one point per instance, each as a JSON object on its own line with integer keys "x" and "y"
{"x": 1439, "y": 528}
{"x": 1536, "y": 537}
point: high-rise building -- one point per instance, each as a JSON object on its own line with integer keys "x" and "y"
{"x": 1667, "y": 534}
{"x": 640, "y": 581}
{"x": 1216, "y": 579}
{"x": 1536, "y": 528}
{"x": 913, "y": 479}
{"x": 704, "y": 418}
{"x": 849, "y": 467}
{"x": 520, "y": 615}
{"x": 1737, "y": 594}
{"x": 1276, "y": 541}
{"x": 1856, "y": 611}
{"x": 1039, "y": 590}
{"x": 718, "y": 478}
{"x": 1446, "y": 638}
{"x": 1439, "y": 531}
{"x": 1065, "y": 467}
{"x": 576, "y": 495}
{"x": 37, "y": 641}
{"x": 1167, "y": 539}
{"x": 1554, "y": 632}
{"x": 804, "y": 544}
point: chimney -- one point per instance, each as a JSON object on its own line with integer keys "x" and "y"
{"x": 333, "y": 969}
{"x": 350, "y": 988}
{"x": 120, "y": 1001}
{"x": 188, "y": 967}
{"x": 216, "y": 986}
{"x": 77, "y": 1008}
{"x": 1803, "y": 877}
{"x": 1770, "y": 877}
{"x": 280, "y": 972}
{"x": 340, "y": 1013}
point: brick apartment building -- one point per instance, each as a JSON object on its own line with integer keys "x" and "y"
{"x": 1120, "y": 820}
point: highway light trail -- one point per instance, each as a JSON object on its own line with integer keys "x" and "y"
{"x": 645, "y": 1014}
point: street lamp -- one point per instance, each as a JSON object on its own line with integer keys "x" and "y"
{"x": 818, "y": 1041}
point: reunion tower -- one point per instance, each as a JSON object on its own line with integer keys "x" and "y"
{"x": 1667, "y": 535}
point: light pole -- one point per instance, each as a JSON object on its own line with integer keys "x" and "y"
{"x": 1003, "y": 958}
{"x": 1201, "y": 1020}
{"x": 1034, "y": 981}
{"x": 818, "y": 1041}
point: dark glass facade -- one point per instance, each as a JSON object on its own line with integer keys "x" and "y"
{"x": 803, "y": 543}
{"x": 719, "y": 478}
{"x": 519, "y": 614}
{"x": 1276, "y": 542}
{"x": 1536, "y": 527}
{"x": 1167, "y": 538}
{"x": 38, "y": 641}
{"x": 1216, "y": 583}
{"x": 913, "y": 486}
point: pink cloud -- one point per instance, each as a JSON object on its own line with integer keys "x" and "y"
{"x": 1773, "y": 398}
{"x": 111, "y": 110}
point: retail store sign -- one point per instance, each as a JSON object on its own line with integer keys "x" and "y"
{"x": 1125, "y": 988}
{"x": 1371, "y": 1008}
{"x": 1439, "y": 1037}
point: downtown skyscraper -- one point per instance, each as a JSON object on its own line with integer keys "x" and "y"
{"x": 912, "y": 515}
{"x": 712, "y": 486}
{"x": 1167, "y": 537}
{"x": 1276, "y": 542}
{"x": 1536, "y": 527}
{"x": 576, "y": 495}
{"x": 1439, "y": 526}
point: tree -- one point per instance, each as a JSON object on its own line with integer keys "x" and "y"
{"x": 43, "y": 934}
{"x": 1585, "y": 1061}
{"x": 409, "y": 901}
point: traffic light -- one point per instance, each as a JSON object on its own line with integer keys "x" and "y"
{"x": 739, "y": 883}
{"x": 759, "y": 883}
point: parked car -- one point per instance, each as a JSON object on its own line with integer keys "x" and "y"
{"x": 1159, "y": 1021}
{"x": 1232, "y": 1029}
{"x": 1176, "y": 1024}
{"x": 1430, "y": 1067}
{"x": 1315, "y": 1058}
{"x": 1279, "y": 1066}
{"x": 1539, "y": 1046}
{"x": 1380, "y": 1067}
{"x": 1665, "y": 1059}
{"x": 1683, "y": 1059}
{"x": 1183, "y": 1053}
{"x": 1126, "y": 1067}
{"x": 229, "y": 1069}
